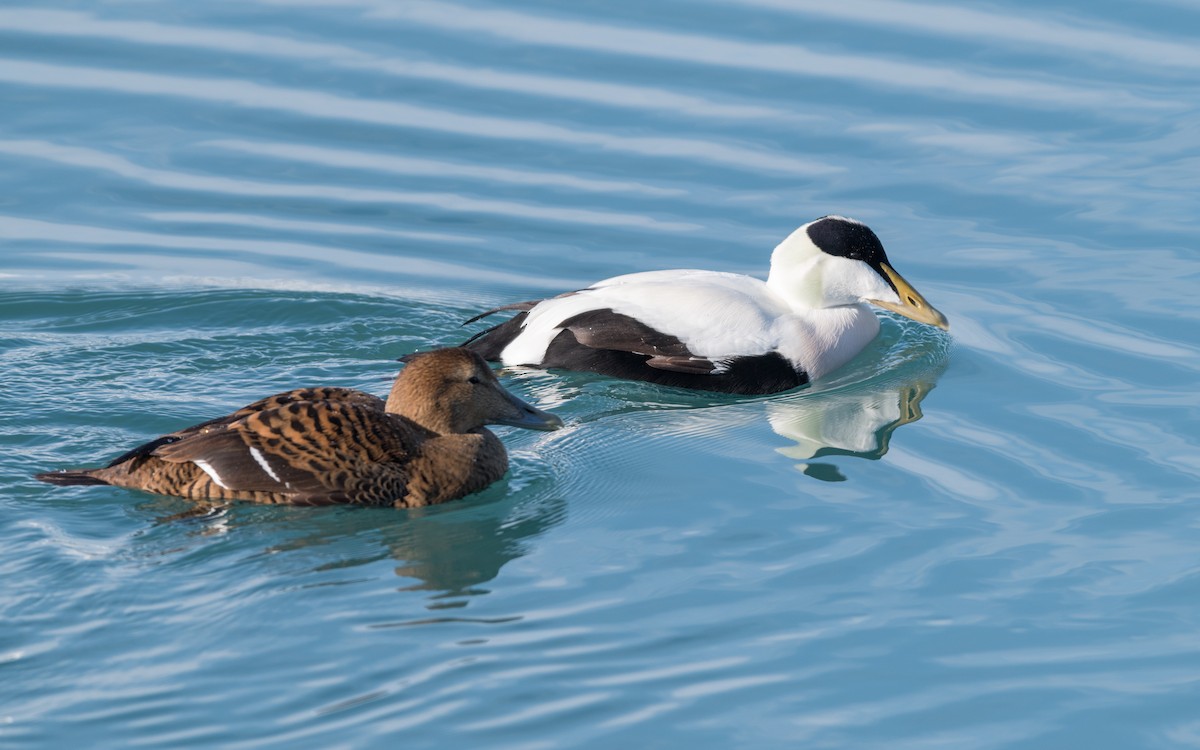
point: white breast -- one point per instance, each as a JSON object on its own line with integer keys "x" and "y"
{"x": 820, "y": 341}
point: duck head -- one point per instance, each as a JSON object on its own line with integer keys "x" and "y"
{"x": 836, "y": 261}
{"x": 454, "y": 391}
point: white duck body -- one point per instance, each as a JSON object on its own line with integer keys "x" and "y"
{"x": 717, "y": 316}
{"x": 718, "y": 331}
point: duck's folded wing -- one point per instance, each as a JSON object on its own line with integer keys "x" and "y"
{"x": 606, "y": 329}
{"x": 341, "y": 395}
{"x": 314, "y": 395}
{"x": 305, "y": 449}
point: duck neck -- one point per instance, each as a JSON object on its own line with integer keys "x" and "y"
{"x": 428, "y": 414}
{"x": 797, "y": 285}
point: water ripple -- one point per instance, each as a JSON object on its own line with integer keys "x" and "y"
{"x": 792, "y": 59}
{"x": 1067, "y": 36}
{"x": 412, "y": 166}
{"x": 97, "y": 160}
{"x": 14, "y": 228}
{"x": 322, "y": 105}
{"x": 300, "y": 227}
{"x": 239, "y": 42}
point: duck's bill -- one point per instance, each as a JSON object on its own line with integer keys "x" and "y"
{"x": 912, "y": 304}
{"x": 529, "y": 417}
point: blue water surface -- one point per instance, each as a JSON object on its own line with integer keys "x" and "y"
{"x": 981, "y": 540}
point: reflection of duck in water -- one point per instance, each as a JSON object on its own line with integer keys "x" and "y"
{"x": 448, "y": 550}
{"x": 848, "y": 423}
{"x": 850, "y": 415}
{"x": 453, "y": 552}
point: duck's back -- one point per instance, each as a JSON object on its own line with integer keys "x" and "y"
{"x": 709, "y": 314}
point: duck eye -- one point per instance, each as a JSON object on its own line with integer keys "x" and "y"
{"x": 473, "y": 380}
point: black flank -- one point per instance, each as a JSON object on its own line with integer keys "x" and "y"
{"x": 756, "y": 375}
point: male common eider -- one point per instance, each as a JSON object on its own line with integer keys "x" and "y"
{"x": 320, "y": 446}
{"x": 718, "y": 331}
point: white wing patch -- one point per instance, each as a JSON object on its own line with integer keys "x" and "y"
{"x": 207, "y": 468}
{"x": 262, "y": 461}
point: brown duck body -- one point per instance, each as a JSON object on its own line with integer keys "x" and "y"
{"x": 312, "y": 447}
{"x": 319, "y": 446}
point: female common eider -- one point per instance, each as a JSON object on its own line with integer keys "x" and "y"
{"x": 718, "y": 331}
{"x": 320, "y": 446}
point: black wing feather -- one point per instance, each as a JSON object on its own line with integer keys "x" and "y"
{"x": 606, "y": 329}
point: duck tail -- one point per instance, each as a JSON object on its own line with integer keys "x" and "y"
{"x": 70, "y": 476}
{"x": 522, "y": 306}
{"x": 490, "y": 343}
